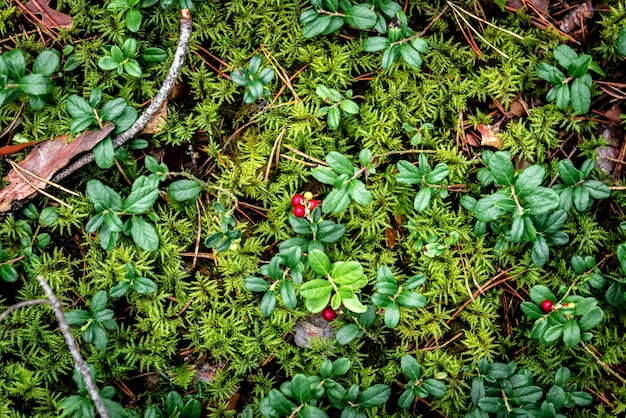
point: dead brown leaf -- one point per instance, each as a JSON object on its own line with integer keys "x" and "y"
{"x": 45, "y": 160}
{"x": 158, "y": 121}
{"x": 50, "y": 17}
{"x": 489, "y": 136}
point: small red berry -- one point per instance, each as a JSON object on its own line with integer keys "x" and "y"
{"x": 328, "y": 314}
{"x": 299, "y": 211}
{"x": 297, "y": 200}
{"x": 313, "y": 204}
{"x": 546, "y": 305}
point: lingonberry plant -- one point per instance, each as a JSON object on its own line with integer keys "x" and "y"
{"x": 302, "y": 395}
{"x": 417, "y": 386}
{"x": 335, "y": 105}
{"x": 95, "y": 321}
{"x": 344, "y": 177}
{"x": 571, "y": 317}
{"x": 503, "y": 390}
{"x": 520, "y": 210}
{"x": 255, "y": 80}
{"x": 578, "y": 190}
{"x": 391, "y": 297}
{"x": 432, "y": 181}
{"x": 14, "y": 81}
{"x": 578, "y": 93}
{"x": 125, "y": 59}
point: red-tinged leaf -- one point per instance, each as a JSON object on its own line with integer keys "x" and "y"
{"x": 12, "y": 149}
{"x": 44, "y": 160}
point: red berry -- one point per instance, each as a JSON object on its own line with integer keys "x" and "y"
{"x": 328, "y": 314}
{"x": 297, "y": 200}
{"x": 299, "y": 211}
{"x": 313, "y": 204}
{"x": 546, "y": 305}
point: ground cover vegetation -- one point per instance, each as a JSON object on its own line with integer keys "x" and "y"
{"x": 335, "y": 208}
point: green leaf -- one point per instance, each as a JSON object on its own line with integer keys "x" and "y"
{"x": 550, "y": 73}
{"x": 359, "y": 193}
{"x": 350, "y": 301}
{"x": 300, "y": 388}
{"x": 411, "y": 300}
{"x": 541, "y": 200}
{"x": 133, "y": 19}
{"x": 408, "y": 173}
{"x": 329, "y": 232}
{"x": 596, "y": 189}
{"x": 568, "y": 173}
{"x": 529, "y": 179}
{"x": 374, "y": 396}
{"x": 15, "y": 63}
{"x": 132, "y": 68}
{"x": 280, "y": 403}
{"x": 580, "y": 97}
{"x": 288, "y": 294}
{"x": 119, "y": 290}
{"x": 526, "y": 395}
{"x": 438, "y": 174}
{"x": 112, "y": 109}
{"x": 422, "y": 198}
{"x": 316, "y": 26}
{"x": 406, "y": 399}
{"x": 340, "y": 163}
{"x": 256, "y": 284}
{"x": 129, "y": 47}
{"x": 420, "y": 45}
{"x": 108, "y": 63}
{"x": 591, "y": 319}
{"x": 390, "y": 56}
{"x": 375, "y": 43}
{"x": 324, "y": 175}
{"x": 103, "y": 197}
{"x": 333, "y": 118}
{"x": 144, "y": 285}
{"x": 564, "y": 55}
{"x": 562, "y": 94}
{"x": 310, "y": 411}
{"x": 77, "y": 106}
{"x": 539, "y": 293}
{"x": 268, "y": 303}
{"x": 319, "y": 262}
{"x": 104, "y": 153}
{"x": 77, "y": 317}
{"x": 144, "y": 234}
{"x": 337, "y": 201}
{"x": 349, "y": 106}
{"x": 316, "y": 288}
{"x": 392, "y": 315}
{"x": 410, "y": 55}
{"x": 8, "y": 273}
{"x": 360, "y": 16}
{"x": 348, "y": 333}
{"x": 47, "y": 63}
{"x": 501, "y": 168}
{"x": 571, "y": 333}
{"x": 347, "y": 273}
{"x": 142, "y": 197}
{"x": 240, "y": 77}
{"x": 410, "y": 367}
{"x": 491, "y": 207}
{"x": 435, "y": 387}
{"x": 153, "y": 55}
{"x": 540, "y": 251}
{"x": 184, "y": 190}
{"x": 579, "y": 66}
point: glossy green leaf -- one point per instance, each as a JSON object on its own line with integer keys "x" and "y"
{"x": 144, "y": 234}
{"x": 316, "y": 26}
{"x": 375, "y": 43}
{"x": 580, "y": 96}
{"x": 47, "y": 63}
{"x": 392, "y": 315}
{"x": 410, "y": 367}
{"x": 374, "y": 396}
{"x": 410, "y": 55}
{"x": 184, "y": 190}
{"x": 501, "y": 168}
{"x": 360, "y": 16}
{"x": 268, "y": 303}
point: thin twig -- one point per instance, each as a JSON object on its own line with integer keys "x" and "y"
{"x": 18, "y": 305}
{"x": 81, "y": 365}
{"x": 603, "y": 364}
{"x": 155, "y": 105}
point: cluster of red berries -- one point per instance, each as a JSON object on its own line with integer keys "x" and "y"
{"x": 303, "y": 203}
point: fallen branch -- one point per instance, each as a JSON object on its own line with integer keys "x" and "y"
{"x": 81, "y": 365}
{"x": 18, "y": 305}
{"x": 144, "y": 118}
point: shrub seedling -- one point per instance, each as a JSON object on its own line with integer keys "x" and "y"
{"x": 123, "y": 59}
{"x": 578, "y": 191}
{"x": 390, "y": 296}
{"x": 14, "y": 81}
{"x": 255, "y": 80}
{"x": 94, "y": 321}
{"x": 418, "y": 387}
{"x": 578, "y": 92}
{"x": 336, "y": 105}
